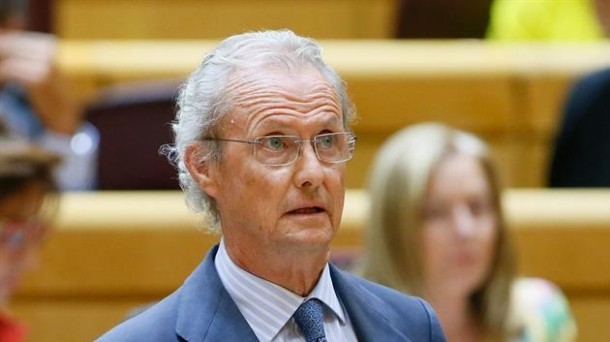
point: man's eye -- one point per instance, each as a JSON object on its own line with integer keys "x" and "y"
{"x": 326, "y": 141}
{"x": 273, "y": 143}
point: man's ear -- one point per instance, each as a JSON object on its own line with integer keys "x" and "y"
{"x": 201, "y": 169}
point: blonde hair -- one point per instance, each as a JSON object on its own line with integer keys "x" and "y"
{"x": 397, "y": 189}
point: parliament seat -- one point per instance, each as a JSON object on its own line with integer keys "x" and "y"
{"x": 133, "y": 121}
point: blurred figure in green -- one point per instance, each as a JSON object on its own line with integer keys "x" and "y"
{"x": 549, "y": 20}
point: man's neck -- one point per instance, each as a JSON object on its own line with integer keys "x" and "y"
{"x": 298, "y": 273}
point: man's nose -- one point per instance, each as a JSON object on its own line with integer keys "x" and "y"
{"x": 309, "y": 171}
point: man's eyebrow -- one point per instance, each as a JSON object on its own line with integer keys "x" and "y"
{"x": 280, "y": 123}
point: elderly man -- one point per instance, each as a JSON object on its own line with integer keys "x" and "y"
{"x": 262, "y": 139}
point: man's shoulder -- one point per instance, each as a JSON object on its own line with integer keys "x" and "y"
{"x": 380, "y": 307}
{"x": 163, "y": 320}
{"x": 391, "y": 302}
{"x": 379, "y": 290}
{"x": 154, "y": 323}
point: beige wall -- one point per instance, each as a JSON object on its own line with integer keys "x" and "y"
{"x": 204, "y": 19}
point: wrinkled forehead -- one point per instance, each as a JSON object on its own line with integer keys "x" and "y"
{"x": 273, "y": 73}
{"x": 257, "y": 86}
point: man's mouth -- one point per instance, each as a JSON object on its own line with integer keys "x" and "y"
{"x": 306, "y": 211}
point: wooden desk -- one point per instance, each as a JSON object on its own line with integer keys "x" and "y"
{"x": 112, "y": 252}
{"x": 510, "y": 95}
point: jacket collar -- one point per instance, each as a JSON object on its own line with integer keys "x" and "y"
{"x": 363, "y": 308}
{"x": 206, "y": 312}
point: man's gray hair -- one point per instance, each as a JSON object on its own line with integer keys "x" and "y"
{"x": 204, "y": 99}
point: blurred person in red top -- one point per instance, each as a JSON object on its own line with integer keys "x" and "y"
{"x": 28, "y": 201}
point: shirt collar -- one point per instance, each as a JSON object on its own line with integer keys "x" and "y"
{"x": 279, "y": 304}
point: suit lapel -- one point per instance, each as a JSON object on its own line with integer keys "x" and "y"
{"x": 365, "y": 310}
{"x": 206, "y": 311}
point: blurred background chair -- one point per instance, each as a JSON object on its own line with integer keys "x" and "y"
{"x": 40, "y": 15}
{"x": 581, "y": 151}
{"x": 442, "y": 19}
{"x": 134, "y": 121}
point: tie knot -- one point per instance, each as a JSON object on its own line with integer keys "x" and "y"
{"x": 310, "y": 318}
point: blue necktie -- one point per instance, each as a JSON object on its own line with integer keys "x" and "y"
{"x": 310, "y": 317}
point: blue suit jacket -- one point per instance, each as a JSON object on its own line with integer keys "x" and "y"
{"x": 202, "y": 310}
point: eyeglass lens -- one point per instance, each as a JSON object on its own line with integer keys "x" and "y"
{"x": 283, "y": 150}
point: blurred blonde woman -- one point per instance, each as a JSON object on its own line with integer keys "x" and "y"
{"x": 436, "y": 230}
{"x": 27, "y": 203}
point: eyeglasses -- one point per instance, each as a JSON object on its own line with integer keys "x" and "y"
{"x": 279, "y": 150}
{"x": 15, "y": 234}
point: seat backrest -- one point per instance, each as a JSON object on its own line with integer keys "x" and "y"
{"x": 40, "y": 15}
{"x": 134, "y": 121}
{"x": 581, "y": 150}
{"x": 442, "y": 19}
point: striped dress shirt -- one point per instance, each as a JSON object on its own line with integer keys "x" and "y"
{"x": 268, "y": 308}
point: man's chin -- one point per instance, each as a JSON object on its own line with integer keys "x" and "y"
{"x": 312, "y": 238}
{"x": 316, "y": 222}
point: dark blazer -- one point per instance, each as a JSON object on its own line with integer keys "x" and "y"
{"x": 581, "y": 150}
{"x": 202, "y": 310}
